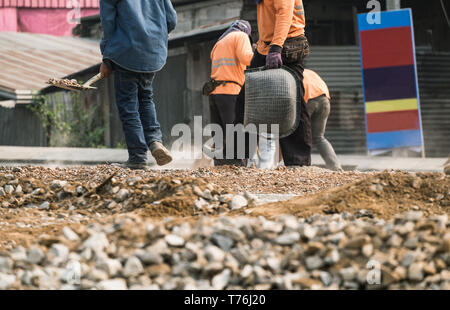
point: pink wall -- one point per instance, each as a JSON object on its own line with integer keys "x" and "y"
{"x": 8, "y": 19}
{"x": 48, "y": 3}
{"x": 47, "y": 21}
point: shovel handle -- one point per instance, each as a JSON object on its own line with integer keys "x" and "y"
{"x": 93, "y": 80}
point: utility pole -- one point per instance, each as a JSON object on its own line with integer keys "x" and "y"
{"x": 392, "y": 5}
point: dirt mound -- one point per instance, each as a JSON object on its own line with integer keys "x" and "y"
{"x": 382, "y": 195}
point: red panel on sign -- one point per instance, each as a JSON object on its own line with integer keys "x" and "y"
{"x": 387, "y": 47}
{"x": 393, "y": 121}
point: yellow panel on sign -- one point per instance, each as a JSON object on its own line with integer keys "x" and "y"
{"x": 391, "y": 105}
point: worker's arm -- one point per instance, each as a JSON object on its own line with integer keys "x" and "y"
{"x": 284, "y": 13}
{"x": 244, "y": 51}
{"x": 211, "y": 55}
{"x": 171, "y": 16}
{"x": 108, "y": 12}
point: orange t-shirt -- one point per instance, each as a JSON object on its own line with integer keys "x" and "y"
{"x": 314, "y": 85}
{"x": 279, "y": 20}
{"x": 230, "y": 57}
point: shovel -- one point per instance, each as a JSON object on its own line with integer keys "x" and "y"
{"x": 73, "y": 84}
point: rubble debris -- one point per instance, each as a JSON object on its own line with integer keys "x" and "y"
{"x": 184, "y": 256}
{"x": 108, "y": 228}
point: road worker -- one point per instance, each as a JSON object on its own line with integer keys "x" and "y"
{"x": 282, "y": 41}
{"x": 229, "y": 58}
{"x": 134, "y": 47}
{"x": 317, "y": 98}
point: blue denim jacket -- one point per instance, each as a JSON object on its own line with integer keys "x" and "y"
{"x": 135, "y": 32}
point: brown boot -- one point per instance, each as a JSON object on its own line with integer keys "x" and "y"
{"x": 160, "y": 153}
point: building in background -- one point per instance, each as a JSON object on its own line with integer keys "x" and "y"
{"x": 55, "y": 17}
{"x": 27, "y": 61}
{"x": 332, "y": 31}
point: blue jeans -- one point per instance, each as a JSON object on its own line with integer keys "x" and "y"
{"x": 134, "y": 99}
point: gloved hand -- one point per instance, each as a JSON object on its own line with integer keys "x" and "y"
{"x": 273, "y": 59}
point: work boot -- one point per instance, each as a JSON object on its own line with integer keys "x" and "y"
{"x": 132, "y": 166}
{"x": 160, "y": 153}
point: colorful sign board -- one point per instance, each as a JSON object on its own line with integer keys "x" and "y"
{"x": 391, "y": 93}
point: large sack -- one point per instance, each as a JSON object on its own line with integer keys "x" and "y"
{"x": 272, "y": 97}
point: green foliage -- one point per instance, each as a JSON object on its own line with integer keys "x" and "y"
{"x": 86, "y": 129}
{"x": 79, "y": 122}
{"x": 121, "y": 145}
{"x": 50, "y": 117}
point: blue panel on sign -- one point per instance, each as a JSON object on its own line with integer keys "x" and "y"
{"x": 400, "y": 18}
{"x": 390, "y": 83}
{"x": 387, "y": 140}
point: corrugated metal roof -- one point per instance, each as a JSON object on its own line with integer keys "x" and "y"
{"x": 29, "y": 60}
{"x": 47, "y": 3}
{"x": 206, "y": 31}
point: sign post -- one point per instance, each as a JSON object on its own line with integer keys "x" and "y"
{"x": 390, "y": 83}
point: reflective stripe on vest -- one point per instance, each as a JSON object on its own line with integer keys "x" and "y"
{"x": 224, "y": 62}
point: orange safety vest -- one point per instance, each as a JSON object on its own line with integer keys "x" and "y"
{"x": 314, "y": 85}
{"x": 230, "y": 57}
{"x": 279, "y": 20}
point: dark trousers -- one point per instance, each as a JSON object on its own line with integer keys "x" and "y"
{"x": 296, "y": 148}
{"x": 222, "y": 111}
{"x": 134, "y": 99}
{"x": 319, "y": 110}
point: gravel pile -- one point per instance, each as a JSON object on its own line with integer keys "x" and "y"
{"x": 107, "y": 228}
{"x": 299, "y": 181}
{"x": 157, "y": 196}
{"x": 340, "y": 251}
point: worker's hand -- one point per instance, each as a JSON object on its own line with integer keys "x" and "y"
{"x": 273, "y": 59}
{"x": 105, "y": 70}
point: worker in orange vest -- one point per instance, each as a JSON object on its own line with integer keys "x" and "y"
{"x": 317, "y": 97}
{"x": 282, "y": 41}
{"x": 230, "y": 56}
